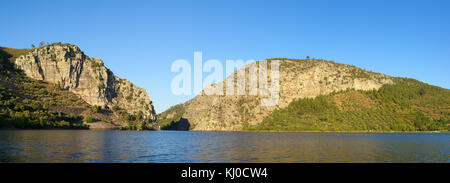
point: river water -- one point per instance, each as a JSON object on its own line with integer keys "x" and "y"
{"x": 186, "y": 146}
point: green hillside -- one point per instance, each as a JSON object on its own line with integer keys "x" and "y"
{"x": 167, "y": 119}
{"x": 27, "y": 103}
{"x": 406, "y": 105}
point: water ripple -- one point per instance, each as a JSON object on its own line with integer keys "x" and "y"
{"x": 174, "y": 146}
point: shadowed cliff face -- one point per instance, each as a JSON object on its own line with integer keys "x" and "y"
{"x": 69, "y": 68}
{"x": 297, "y": 79}
{"x": 181, "y": 125}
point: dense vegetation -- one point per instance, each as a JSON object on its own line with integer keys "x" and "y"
{"x": 406, "y": 105}
{"x": 135, "y": 121}
{"x": 167, "y": 119}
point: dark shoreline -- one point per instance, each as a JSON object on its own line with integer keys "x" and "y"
{"x": 242, "y": 131}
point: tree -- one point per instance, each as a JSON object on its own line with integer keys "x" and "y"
{"x": 96, "y": 109}
{"x": 41, "y": 44}
{"x": 88, "y": 119}
{"x": 140, "y": 115}
{"x": 32, "y": 46}
{"x": 307, "y": 57}
{"x": 115, "y": 108}
{"x": 422, "y": 92}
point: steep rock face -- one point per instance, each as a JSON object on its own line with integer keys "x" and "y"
{"x": 68, "y": 67}
{"x": 297, "y": 79}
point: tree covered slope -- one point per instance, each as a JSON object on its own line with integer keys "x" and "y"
{"x": 406, "y": 105}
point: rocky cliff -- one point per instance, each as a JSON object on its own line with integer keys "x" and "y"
{"x": 297, "y": 79}
{"x": 69, "y": 68}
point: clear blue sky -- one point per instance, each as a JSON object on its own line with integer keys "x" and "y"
{"x": 139, "y": 40}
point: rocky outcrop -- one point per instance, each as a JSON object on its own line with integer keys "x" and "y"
{"x": 297, "y": 79}
{"x": 69, "y": 68}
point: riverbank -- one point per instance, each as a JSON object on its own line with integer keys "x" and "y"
{"x": 312, "y": 131}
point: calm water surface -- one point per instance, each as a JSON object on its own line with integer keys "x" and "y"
{"x": 181, "y": 146}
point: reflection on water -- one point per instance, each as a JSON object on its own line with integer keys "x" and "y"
{"x": 179, "y": 146}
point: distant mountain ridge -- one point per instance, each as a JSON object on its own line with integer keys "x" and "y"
{"x": 310, "y": 79}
